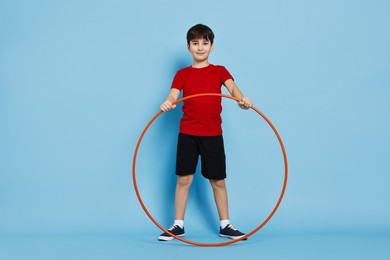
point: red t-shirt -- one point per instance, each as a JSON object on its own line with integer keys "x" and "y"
{"x": 202, "y": 115}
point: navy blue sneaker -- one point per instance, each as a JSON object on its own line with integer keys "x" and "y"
{"x": 176, "y": 230}
{"x": 230, "y": 232}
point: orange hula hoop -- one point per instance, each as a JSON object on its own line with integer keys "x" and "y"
{"x": 234, "y": 240}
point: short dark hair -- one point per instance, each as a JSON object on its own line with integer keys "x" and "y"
{"x": 200, "y": 31}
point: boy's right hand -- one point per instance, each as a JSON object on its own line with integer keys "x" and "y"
{"x": 166, "y": 106}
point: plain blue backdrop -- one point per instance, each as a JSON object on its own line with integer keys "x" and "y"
{"x": 79, "y": 80}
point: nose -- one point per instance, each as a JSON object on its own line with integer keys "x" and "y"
{"x": 200, "y": 47}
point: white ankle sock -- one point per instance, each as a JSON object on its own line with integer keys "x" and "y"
{"x": 224, "y": 223}
{"x": 178, "y": 222}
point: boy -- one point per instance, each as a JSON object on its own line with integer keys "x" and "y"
{"x": 200, "y": 129}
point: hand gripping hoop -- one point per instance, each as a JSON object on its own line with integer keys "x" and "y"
{"x": 230, "y": 241}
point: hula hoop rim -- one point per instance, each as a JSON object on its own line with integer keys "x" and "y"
{"x": 227, "y": 242}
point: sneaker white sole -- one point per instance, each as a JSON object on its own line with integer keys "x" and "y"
{"x": 164, "y": 238}
{"x": 231, "y": 237}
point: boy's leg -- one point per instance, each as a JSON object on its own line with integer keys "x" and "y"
{"x": 221, "y": 198}
{"x": 186, "y": 161}
{"x": 182, "y": 188}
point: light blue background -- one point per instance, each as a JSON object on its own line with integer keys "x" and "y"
{"x": 80, "y": 79}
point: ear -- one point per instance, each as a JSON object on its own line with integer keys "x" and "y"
{"x": 188, "y": 46}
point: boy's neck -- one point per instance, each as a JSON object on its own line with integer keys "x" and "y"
{"x": 199, "y": 65}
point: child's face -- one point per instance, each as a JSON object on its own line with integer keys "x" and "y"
{"x": 200, "y": 49}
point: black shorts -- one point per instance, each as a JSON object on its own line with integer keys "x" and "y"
{"x": 211, "y": 151}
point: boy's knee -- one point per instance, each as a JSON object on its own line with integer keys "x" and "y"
{"x": 219, "y": 184}
{"x": 185, "y": 180}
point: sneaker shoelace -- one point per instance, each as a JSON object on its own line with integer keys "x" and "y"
{"x": 173, "y": 227}
{"x": 230, "y": 226}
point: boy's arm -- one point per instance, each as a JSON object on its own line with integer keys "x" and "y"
{"x": 172, "y": 97}
{"x": 231, "y": 86}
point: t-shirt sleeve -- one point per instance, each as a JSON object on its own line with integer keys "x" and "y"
{"x": 225, "y": 75}
{"x": 177, "y": 81}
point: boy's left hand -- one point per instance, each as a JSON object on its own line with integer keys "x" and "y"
{"x": 245, "y": 103}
